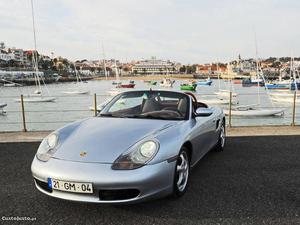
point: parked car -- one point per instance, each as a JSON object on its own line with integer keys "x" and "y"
{"x": 141, "y": 145}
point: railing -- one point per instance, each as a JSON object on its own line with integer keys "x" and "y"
{"x": 49, "y": 118}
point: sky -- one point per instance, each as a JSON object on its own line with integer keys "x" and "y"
{"x": 186, "y": 31}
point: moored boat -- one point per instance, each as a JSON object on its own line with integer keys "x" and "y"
{"x": 32, "y": 99}
{"x": 206, "y": 82}
{"x": 125, "y": 86}
{"x": 153, "y": 82}
{"x": 254, "y": 112}
{"x": 188, "y": 87}
{"x": 10, "y": 85}
{"x": 76, "y": 92}
{"x": 167, "y": 82}
{"x": 278, "y": 86}
{"x": 252, "y": 82}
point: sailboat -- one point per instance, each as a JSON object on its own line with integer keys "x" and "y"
{"x": 287, "y": 96}
{"x": 37, "y": 97}
{"x": 255, "y": 109}
{"x": 74, "y": 91}
{"x": 131, "y": 84}
{"x": 225, "y": 93}
{"x": 8, "y": 83}
{"x": 167, "y": 82}
{"x": 252, "y": 111}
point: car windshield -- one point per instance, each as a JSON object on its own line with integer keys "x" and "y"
{"x": 163, "y": 105}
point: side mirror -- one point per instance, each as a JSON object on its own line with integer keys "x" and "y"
{"x": 203, "y": 112}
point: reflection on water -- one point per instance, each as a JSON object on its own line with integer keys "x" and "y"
{"x": 67, "y": 108}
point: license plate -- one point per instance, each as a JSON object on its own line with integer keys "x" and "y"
{"x": 70, "y": 186}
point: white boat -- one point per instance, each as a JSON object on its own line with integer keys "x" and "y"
{"x": 10, "y": 85}
{"x": 79, "y": 91}
{"x": 37, "y": 97}
{"x": 33, "y": 99}
{"x": 254, "y": 112}
{"x": 76, "y": 92}
{"x": 167, "y": 82}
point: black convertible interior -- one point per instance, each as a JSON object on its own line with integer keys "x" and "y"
{"x": 162, "y": 106}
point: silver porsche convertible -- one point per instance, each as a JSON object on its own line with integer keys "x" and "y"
{"x": 141, "y": 145}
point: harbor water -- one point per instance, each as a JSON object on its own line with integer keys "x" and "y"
{"x": 68, "y": 108}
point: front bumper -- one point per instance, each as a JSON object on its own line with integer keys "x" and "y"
{"x": 151, "y": 181}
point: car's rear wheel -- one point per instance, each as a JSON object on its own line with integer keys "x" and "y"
{"x": 222, "y": 138}
{"x": 182, "y": 172}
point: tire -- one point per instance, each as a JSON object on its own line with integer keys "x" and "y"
{"x": 182, "y": 172}
{"x": 222, "y": 139}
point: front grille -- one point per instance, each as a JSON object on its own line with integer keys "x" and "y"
{"x": 123, "y": 194}
{"x": 43, "y": 185}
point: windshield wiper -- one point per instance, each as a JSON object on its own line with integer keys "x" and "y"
{"x": 139, "y": 116}
{"x": 117, "y": 116}
{"x": 149, "y": 116}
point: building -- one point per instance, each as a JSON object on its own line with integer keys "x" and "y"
{"x": 20, "y": 56}
{"x": 4, "y": 56}
{"x": 153, "y": 66}
{"x": 210, "y": 69}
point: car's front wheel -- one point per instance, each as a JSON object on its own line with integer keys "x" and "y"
{"x": 182, "y": 172}
{"x": 222, "y": 138}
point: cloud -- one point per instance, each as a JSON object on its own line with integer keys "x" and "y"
{"x": 189, "y": 31}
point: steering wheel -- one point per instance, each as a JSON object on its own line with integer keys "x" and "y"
{"x": 172, "y": 109}
{"x": 193, "y": 98}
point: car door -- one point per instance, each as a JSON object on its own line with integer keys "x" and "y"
{"x": 202, "y": 128}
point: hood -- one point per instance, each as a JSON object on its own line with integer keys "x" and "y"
{"x": 105, "y": 139}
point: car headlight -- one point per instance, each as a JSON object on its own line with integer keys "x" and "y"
{"x": 52, "y": 140}
{"x": 47, "y": 147}
{"x": 138, "y": 156}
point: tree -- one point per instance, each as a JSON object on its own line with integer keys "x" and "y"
{"x": 65, "y": 62}
{"x": 55, "y": 61}
{"x": 60, "y": 67}
{"x": 182, "y": 69}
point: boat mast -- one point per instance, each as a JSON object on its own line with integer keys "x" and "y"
{"x": 218, "y": 72}
{"x": 76, "y": 73}
{"x": 34, "y": 55}
{"x": 105, "y": 72}
{"x": 293, "y": 69}
{"x": 117, "y": 71}
{"x": 257, "y": 69}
